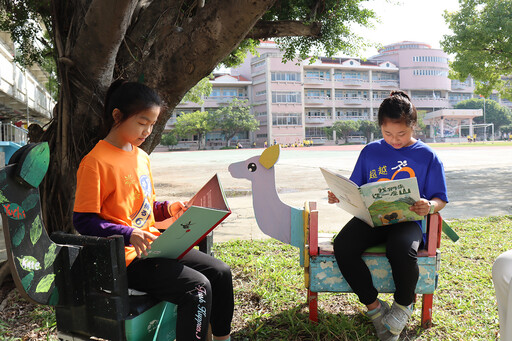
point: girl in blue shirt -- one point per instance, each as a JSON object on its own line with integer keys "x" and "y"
{"x": 398, "y": 155}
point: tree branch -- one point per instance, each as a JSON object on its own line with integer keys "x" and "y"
{"x": 284, "y": 28}
{"x": 179, "y": 57}
{"x": 104, "y": 28}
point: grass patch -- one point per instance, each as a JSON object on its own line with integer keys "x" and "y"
{"x": 270, "y": 295}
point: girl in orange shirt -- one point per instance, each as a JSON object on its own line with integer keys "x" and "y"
{"x": 115, "y": 196}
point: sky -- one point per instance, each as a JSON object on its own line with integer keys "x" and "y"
{"x": 415, "y": 20}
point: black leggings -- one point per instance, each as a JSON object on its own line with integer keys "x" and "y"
{"x": 199, "y": 284}
{"x": 402, "y": 242}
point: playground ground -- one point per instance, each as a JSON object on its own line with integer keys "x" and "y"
{"x": 479, "y": 180}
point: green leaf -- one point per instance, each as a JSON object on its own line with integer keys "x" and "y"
{"x": 29, "y": 263}
{"x": 36, "y": 230}
{"x": 14, "y": 211}
{"x": 2, "y": 197}
{"x": 27, "y": 281}
{"x": 50, "y": 255}
{"x": 18, "y": 236}
{"x": 45, "y": 283}
{"x": 30, "y": 202}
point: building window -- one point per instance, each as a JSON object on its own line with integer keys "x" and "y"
{"x": 318, "y": 74}
{"x": 260, "y": 136}
{"x": 285, "y": 76}
{"x": 220, "y": 93}
{"x": 286, "y": 97}
{"x": 430, "y": 72}
{"x": 261, "y": 93}
{"x": 430, "y": 59}
{"x": 258, "y": 64}
{"x": 318, "y": 93}
{"x": 318, "y": 132}
{"x": 292, "y": 119}
{"x": 318, "y": 113}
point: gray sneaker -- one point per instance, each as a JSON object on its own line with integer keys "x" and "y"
{"x": 397, "y": 317}
{"x": 376, "y": 317}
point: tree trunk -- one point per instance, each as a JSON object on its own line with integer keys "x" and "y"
{"x": 169, "y": 45}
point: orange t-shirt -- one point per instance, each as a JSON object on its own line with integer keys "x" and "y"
{"x": 118, "y": 186}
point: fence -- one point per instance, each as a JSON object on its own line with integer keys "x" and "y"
{"x": 10, "y": 133}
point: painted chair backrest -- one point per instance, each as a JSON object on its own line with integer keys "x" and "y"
{"x": 31, "y": 253}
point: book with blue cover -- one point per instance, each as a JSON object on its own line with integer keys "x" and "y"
{"x": 376, "y": 203}
{"x": 206, "y": 210}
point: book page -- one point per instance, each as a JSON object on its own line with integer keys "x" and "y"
{"x": 210, "y": 195}
{"x": 348, "y": 194}
{"x": 388, "y": 201}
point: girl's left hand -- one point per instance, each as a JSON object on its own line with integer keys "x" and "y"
{"x": 420, "y": 207}
{"x": 176, "y": 209}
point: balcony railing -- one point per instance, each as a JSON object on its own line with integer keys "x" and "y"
{"x": 316, "y": 119}
{"x": 353, "y": 81}
{"x": 353, "y": 100}
{"x": 351, "y": 118}
{"x": 20, "y": 89}
{"x": 387, "y": 82}
{"x": 315, "y": 80}
{"x": 316, "y": 99}
{"x": 225, "y": 99}
{"x": 10, "y": 133}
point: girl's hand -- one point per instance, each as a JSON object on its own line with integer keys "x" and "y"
{"x": 176, "y": 209}
{"x": 140, "y": 241}
{"x": 420, "y": 207}
{"x": 332, "y": 198}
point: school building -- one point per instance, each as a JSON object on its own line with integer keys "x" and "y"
{"x": 23, "y": 99}
{"x": 296, "y": 100}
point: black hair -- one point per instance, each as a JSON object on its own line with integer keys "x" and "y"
{"x": 398, "y": 108}
{"x": 130, "y": 98}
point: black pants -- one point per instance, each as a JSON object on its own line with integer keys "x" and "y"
{"x": 402, "y": 242}
{"x": 199, "y": 284}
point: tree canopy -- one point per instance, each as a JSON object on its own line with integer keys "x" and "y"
{"x": 481, "y": 44}
{"x": 195, "y": 123}
{"x": 345, "y": 128}
{"x": 494, "y": 112}
{"x": 368, "y": 128}
{"x": 170, "y": 45}
{"x": 234, "y": 118}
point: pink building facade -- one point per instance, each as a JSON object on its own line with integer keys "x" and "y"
{"x": 296, "y": 101}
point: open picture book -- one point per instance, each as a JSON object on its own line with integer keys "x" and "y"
{"x": 376, "y": 203}
{"x": 207, "y": 209}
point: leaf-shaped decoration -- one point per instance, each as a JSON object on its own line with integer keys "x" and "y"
{"x": 54, "y": 297}
{"x": 14, "y": 211}
{"x": 27, "y": 281}
{"x": 45, "y": 283}
{"x": 50, "y": 255}
{"x": 2, "y": 197}
{"x": 29, "y": 263}
{"x": 36, "y": 230}
{"x": 35, "y": 165}
{"x": 30, "y": 202}
{"x": 18, "y": 236}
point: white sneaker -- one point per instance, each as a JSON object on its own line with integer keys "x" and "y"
{"x": 376, "y": 317}
{"x": 397, "y": 317}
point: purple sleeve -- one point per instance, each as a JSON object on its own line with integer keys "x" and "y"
{"x": 90, "y": 224}
{"x": 160, "y": 210}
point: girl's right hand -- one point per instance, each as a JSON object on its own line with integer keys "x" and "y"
{"x": 332, "y": 198}
{"x": 140, "y": 241}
